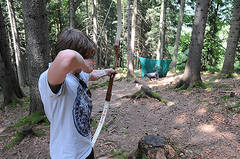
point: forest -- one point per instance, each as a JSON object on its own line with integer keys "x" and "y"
{"x": 177, "y": 82}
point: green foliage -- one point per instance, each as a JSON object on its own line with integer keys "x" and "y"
{"x": 32, "y": 119}
{"x": 137, "y": 94}
{"x": 17, "y": 138}
{"x": 126, "y": 131}
{"x": 199, "y": 84}
{"x": 231, "y": 107}
{"x": 234, "y": 108}
{"x": 94, "y": 124}
{"x": 3, "y": 106}
{"x": 13, "y": 104}
{"x": 157, "y": 96}
{"x": 183, "y": 50}
{"x": 39, "y": 133}
{"x": 121, "y": 154}
{"x": 25, "y": 103}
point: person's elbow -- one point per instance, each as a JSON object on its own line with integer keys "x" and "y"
{"x": 67, "y": 60}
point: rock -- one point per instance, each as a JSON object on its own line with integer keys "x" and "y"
{"x": 154, "y": 147}
{"x": 27, "y": 131}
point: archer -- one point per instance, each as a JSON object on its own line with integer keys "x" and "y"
{"x": 66, "y": 97}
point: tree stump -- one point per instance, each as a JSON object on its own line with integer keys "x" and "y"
{"x": 154, "y": 147}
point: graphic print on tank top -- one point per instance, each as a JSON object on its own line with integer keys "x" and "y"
{"x": 82, "y": 109}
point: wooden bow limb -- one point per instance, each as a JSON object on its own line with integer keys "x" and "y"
{"x": 110, "y": 84}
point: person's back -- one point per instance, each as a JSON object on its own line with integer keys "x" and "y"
{"x": 65, "y": 141}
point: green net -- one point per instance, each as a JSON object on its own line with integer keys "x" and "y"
{"x": 152, "y": 65}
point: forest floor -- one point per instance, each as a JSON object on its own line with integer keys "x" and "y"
{"x": 202, "y": 123}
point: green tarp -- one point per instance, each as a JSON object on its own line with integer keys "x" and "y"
{"x": 152, "y": 65}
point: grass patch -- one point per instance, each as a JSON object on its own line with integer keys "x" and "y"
{"x": 12, "y": 105}
{"x": 225, "y": 97}
{"x": 3, "y": 138}
{"x": 32, "y": 119}
{"x": 183, "y": 87}
{"x": 15, "y": 102}
{"x": 17, "y": 138}
{"x": 104, "y": 127}
{"x": 237, "y": 111}
{"x": 122, "y": 154}
{"x": 137, "y": 94}
{"x": 157, "y": 96}
{"x": 231, "y": 107}
{"x": 94, "y": 124}
{"x": 126, "y": 132}
{"x": 199, "y": 84}
{"x": 25, "y": 103}
{"x": 3, "y": 106}
{"x": 39, "y": 133}
{"x": 234, "y": 108}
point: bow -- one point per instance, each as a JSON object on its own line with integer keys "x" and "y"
{"x": 110, "y": 84}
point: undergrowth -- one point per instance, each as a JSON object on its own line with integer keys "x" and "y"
{"x": 27, "y": 121}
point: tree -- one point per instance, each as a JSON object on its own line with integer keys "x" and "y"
{"x": 15, "y": 42}
{"x": 179, "y": 29}
{"x": 213, "y": 49}
{"x": 71, "y": 13}
{"x": 87, "y": 18}
{"x": 193, "y": 66}
{"x": 8, "y": 79}
{"x": 161, "y": 42}
{"x": 131, "y": 37}
{"x": 37, "y": 46}
{"x": 59, "y": 15}
{"x": 95, "y": 28}
{"x": 233, "y": 38}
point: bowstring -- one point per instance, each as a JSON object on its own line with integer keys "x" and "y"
{"x": 104, "y": 22}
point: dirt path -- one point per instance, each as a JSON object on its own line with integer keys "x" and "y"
{"x": 195, "y": 120}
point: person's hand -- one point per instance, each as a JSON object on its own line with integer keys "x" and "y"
{"x": 110, "y": 71}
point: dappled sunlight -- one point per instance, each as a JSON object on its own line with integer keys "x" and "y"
{"x": 176, "y": 132}
{"x": 2, "y": 129}
{"x": 201, "y": 111}
{"x": 227, "y": 135}
{"x": 181, "y": 119}
{"x": 170, "y": 103}
{"x": 116, "y": 104}
{"x": 207, "y": 128}
{"x": 217, "y": 80}
{"x": 165, "y": 81}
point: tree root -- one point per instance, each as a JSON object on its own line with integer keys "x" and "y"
{"x": 147, "y": 91}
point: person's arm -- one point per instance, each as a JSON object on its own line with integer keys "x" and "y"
{"x": 97, "y": 74}
{"x": 65, "y": 62}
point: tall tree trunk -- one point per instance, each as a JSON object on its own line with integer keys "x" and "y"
{"x": 161, "y": 42}
{"x": 37, "y": 46}
{"x": 15, "y": 42}
{"x": 179, "y": 29}
{"x": 59, "y": 14}
{"x": 144, "y": 28}
{"x": 193, "y": 66}
{"x": 71, "y": 13}
{"x": 8, "y": 79}
{"x": 95, "y": 27}
{"x": 210, "y": 58}
{"x": 130, "y": 43}
{"x": 233, "y": 38}
{"x": 87, "y": 17}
